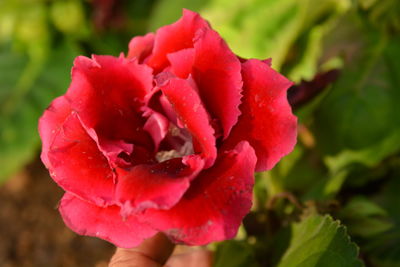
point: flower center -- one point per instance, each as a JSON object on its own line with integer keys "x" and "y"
{"x": 177, "y": 143}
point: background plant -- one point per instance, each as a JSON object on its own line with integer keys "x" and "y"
{"x": 343, "y": 56}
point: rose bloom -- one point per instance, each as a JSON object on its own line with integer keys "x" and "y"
{"x": 166, "y": 139}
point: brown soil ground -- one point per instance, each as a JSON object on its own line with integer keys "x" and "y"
{"x": 32, "y": 232}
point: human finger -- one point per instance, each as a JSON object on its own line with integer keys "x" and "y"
{"x": 153, "y": 252}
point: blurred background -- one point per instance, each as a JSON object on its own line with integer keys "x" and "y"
{"x": 344, "y": 57}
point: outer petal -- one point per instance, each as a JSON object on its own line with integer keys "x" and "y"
{"x": 182, "y": 62}
{"x": 50, "y": 124}
{"x": 78, "y": 166}
{"x": 174, "y": 37}
{"x": 217, "y": 74}
{"x": 103, "y": 222}
{"x": 188, "y": 106}
{"x": 141, "y": 46}
{"x": 107, "y": 93}
{"x": 216, "y": 71}
{"x": 158, "y": 186}
{"x": 267, "y": 121}
{"x": 215, "y": 204}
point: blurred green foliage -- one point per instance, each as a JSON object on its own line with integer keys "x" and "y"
{"x": 347, "y": 161}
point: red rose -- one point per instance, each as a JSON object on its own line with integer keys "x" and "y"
{"x": 167, "y": 139}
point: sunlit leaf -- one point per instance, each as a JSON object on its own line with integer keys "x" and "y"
{"x": 168, "y": 11}
{"x": 320, "y": 241}
{"x": 234, "y": 254}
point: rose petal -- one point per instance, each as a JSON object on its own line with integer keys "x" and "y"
{"x": 216, "y": 71}
{"x": 267, "y": 61}
{"x": 107, "y": 93}
{"x": 182, "y": 62}
{"x": 141, "y": 155}
{"x": 50, "y": 124}
{"x": 215, "y": 204}
{"x": 157, "y": 126}
{"x": 267, "y": 121}
{"x": 190, "y": 110}
{"x": 78, "y": 166}
{"x": 112, "y": 150}
{"x": 157, "y": 186}
{"x": 140, "y": 47}
{"x": 217, "y": 74}
{"x": 167, "y": 109}
{"x": 103, "y": 222}
{"x": 174, "y": 37}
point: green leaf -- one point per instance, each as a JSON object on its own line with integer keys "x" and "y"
{"x": 234, "y": 254}
{"x": 385, "y": 14}
{"x": 365, "y": 218}
{"x": 18, "y": 122}
{"x": 270, "y": 27}
{"x": 299, "y": 170}
{"x": 75, "y": 25}
{"x": 168, "y": 11}
{"x": 361, "y": 206}
{"x": 358, "y": 120}
{"x": 370, "y": 156}
{"x": 260, "y": 191}
{"x": 320, "y": 241}
{"x": 383, "y": 249}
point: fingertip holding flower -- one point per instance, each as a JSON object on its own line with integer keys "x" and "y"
{"x": 167, "y": 139}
